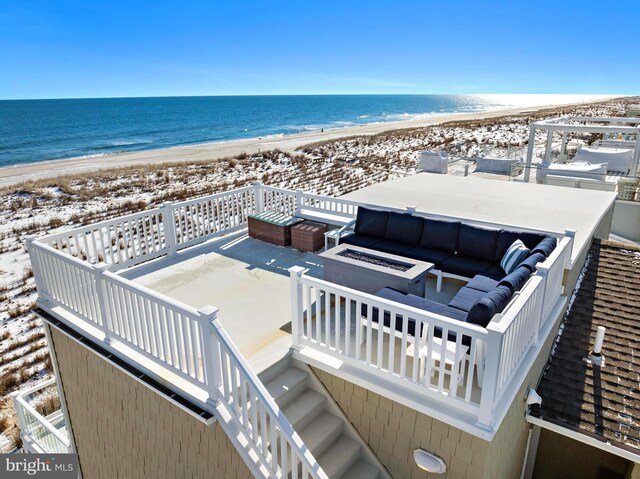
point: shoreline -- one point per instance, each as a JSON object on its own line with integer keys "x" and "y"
{"x": 11, "y": 175}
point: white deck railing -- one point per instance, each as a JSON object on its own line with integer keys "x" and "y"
{"x": 204, "y": 218}
{"x": 341, "y": 322}
{"x": 256, "y": 413}
{"x": 188, "y": 342}
{"x": 38, "y": 433}
{"x": 553, "y": 269}
{"x": 121, "y": 242}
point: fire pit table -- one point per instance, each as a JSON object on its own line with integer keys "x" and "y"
{"x": 369, "y": 270}
{"x": 272, "y": 227}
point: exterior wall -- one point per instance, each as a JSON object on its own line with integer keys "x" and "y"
{"x": 604, "y": 227}
{"x": 560, "y": 457}
{"x": 626, "y": 221}
{"x": 394, "y": 431}
{"x": 123, "y": 429}
{"x": 507, "y": 449}
{"x": 601, "y": 231}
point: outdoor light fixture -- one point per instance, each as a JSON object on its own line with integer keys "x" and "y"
{"x": 533, "y": 398}
{"x": 429, "y": 462}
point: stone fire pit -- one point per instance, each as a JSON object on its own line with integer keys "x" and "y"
{"x": 369, "y": 271}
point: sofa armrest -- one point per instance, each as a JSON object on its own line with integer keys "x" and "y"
{"x": 346, "y": 229}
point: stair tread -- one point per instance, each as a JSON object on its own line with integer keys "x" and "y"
{"x": 324, "y": 426}
{"x": 302, "y": 408}
{"x": 283, "y": 383}
{"x": 361, "y": 469}
{"x": 338, "y": 457}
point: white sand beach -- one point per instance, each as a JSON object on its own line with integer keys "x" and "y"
{"x": 211, "y": 151}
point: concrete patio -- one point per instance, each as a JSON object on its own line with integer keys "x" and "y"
{"x": 248, "y": 280}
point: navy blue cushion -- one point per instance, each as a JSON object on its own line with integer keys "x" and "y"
{"x": 516, "y": 279}
{"x": 478, "y": 243}
{"x": 466, "y": 267}
{"x": 506, "y": 239}
{"x": 495, "y": 272}
{"x": 546, "y": 246}
{"x": 392, "y": 247}
{"x": 404, "y": 228}
{"x": 440, "y": 235}
{"x": 466, "y": 298}
{"x": 429, "y": 255}
{"x": 360, "y": 240}
{"x": 532, "y": 261}
{"x": 371, "y": 222}
{"x": 482, "y": 283}
{"x": 410, "y": 300}
{"x": 489, "y": 305}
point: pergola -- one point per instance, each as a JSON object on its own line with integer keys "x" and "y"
{"x": 582, "y": 124}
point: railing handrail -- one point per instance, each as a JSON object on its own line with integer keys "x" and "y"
{"x": 558, "y": 251}
{"x": 269, "y": 403}
{"x": 65, "y": 257}
{"x": 42, "y": 421}
{"x": 334, "y": 198}
{"x": 32, "y": 389}
{"x": 276, "y": 189}
{"x": 213, "y": 196}
{"x": 100, "y": 224}
{"x": 506, "y": 319}
{"x": 468, "y": 329}
{"x": 161, "y": 298}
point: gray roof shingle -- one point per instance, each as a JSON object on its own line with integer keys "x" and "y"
{"x": 602, "y": 402}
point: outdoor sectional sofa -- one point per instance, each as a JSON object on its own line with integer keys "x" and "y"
{"x": 457, "y": 250}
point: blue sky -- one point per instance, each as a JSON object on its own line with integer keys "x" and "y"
{"x": 68, "y": 49}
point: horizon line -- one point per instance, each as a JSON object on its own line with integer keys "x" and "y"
{"x": 314, "y": 94}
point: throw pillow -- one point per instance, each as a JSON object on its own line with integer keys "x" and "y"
{"x": 515, "y": 254}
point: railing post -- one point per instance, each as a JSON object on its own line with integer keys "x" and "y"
{"x": 211, "y": 345}
{"x": 530, "y": 148}
{"x": 35, "y": 267}
{"x": 299, "y": 194}
{"x": 569, "y": 249}
{"x": 295, "y": 273}
{"x": 18, "y": 407}
{"x": 493, "y": 352}
{"x": 101, "y": 289}
{"x": 169, "y": 225}
{"x": 257, "y": 191}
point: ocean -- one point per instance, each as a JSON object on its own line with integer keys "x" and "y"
{"x": 39, "y": 130}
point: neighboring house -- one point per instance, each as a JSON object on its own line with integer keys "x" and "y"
{"x": 291, "y": 375}
{"x": 633, "y": 110}
{"x": 590, "y": 412}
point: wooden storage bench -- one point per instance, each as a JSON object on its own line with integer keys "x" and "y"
{"x": 272, "y": 227}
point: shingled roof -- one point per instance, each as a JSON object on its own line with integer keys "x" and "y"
{"x": 601, "y": 402}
